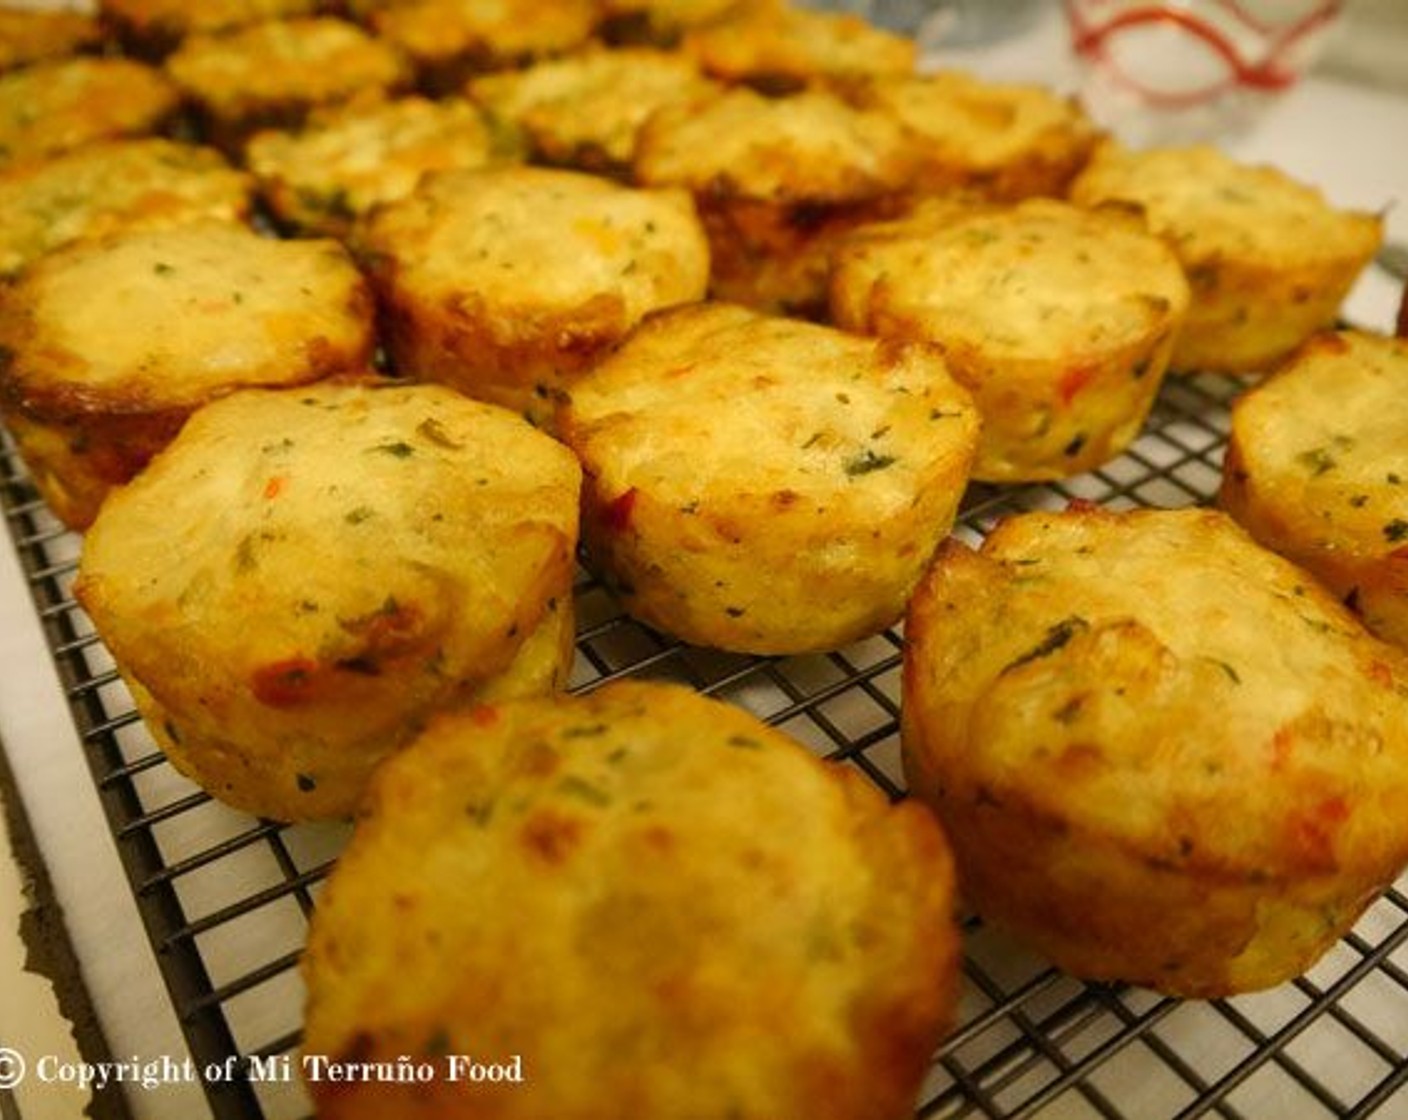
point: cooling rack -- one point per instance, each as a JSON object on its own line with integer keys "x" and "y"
{"x": 225, "y": 898}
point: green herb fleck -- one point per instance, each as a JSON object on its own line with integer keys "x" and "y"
{"x": 583, "y": 790}
{"x": 1396, "y": 530}
{"x": 161, "y": 268}
{"x": 743, "y": 743}
{"x": 1056, "y": 637}
{"x": 584, "y": 731}
{"x": 358, "y": 515}
{"x": 1232, "y": 673}
{"x": 1072, "y": 449}
{"x": 480, "y": 812}
{"x": 1317, "y": 461}
{"x": 866, "y": 462}
{"x": 435, "y": 433}
{"x": 306, "y": 784}
{"x": 735, "y": 612}
{"x": 244, "y": 554}
{"x": 398, "y": 448}
{"x": 1359, "y": 501}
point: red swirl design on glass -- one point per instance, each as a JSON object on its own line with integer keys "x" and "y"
{"x": 1269, "y": 72}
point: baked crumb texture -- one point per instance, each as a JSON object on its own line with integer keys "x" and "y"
{"x": 275, "y": 73}
{"x": 507, "y": 283}
{"x": 763, "y": 484}
{"x": 306, "y": 574}
{"x": 1059, "y": 320}
{"x": 1317, "y": 469}
{"x": 1163, "y": 754}
{"x": 109, "y": 345}
{"x": 614, "y": 839}
{"x": 1269, "y": 259}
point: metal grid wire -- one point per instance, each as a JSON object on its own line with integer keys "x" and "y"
{"x": 226, "y": 898}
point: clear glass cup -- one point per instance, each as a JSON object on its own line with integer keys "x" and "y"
{"x": 1191, "y": 70}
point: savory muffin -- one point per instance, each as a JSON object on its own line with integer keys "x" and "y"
{"x": 274, "y": 74}
{"x": 1001, "y": 141}
{"x": 153, "y": 27}
{"x": 584, "y": 110}
{"x": 53, "y": 107}
{"x": 114, "y": 185}
{"x": 109, "y": 345}
{"x": 304, "y": 575}
{"x": 1317, "y": 470}
{"x": 779, "y": 48}
{"x": 448, "y": 40}
{"x": 1059, "y": 320}
{"x": 320, "y": 178}
{"x": 507, "y": 282}
{"x": 767, "y": 485}
{"x": 1268, "y": 258}
{"x": 1164, "y": 755}
{"x": 580, "y": 891}
{"x": 777, "y": 180}
{"x": 660, "y": 22}
{"x": 36, "y": 34}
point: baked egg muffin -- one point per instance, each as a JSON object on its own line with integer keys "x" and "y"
{"x": 659, "y": 22}
{"x": 584, "y": 110}
{"x": 151, "y": 28}
{"x": 582, "y": 890}
{"x": 1164, "y": 755}
{"x": 767, "y": 485}
{"x": 274, "y": 74}
{"x": 779, "y": 48}
{"x": 114, "y": 185}
{"x": 1269, "y": 259}
{"x": 54, "y": 107}
{"x": 321, "y": 178}
{"x": 1317, "y": 470}
{"x": 30, "y": 35}
{"x": 449, "y": 40}
{"x": 777, "y": 181}
{"x": 1059, "y": 320}
{"x": 507, "y": 282}
{"x": 109, "y": 345}
{"x": 304, "y": 575}
{"x": 998, "y": 140}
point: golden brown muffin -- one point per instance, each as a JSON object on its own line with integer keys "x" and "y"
{"x": 35, "y": 35}
{"x": 1269, "y": 259}
{"x": 1005, "y": 142}
{"x": 114, "y": 185}
{"x": 1059, "y": 320}
{"x": 584, "y": 110}
{"x": 448, "y": 40}
{"x": 777, "y": 181}
{"x": 110, "y": 344}
{"x": 763, "y": 484}
{"x": 779, "y": 48}
{"x": 323, "y": 177}
{"x": 304, "y": 575}
{"x": 581, "y": 891}
{"x": 661, "y": 22}
{"x": 508, "y": 282}
{"x": 1317, "y": 470}
{"x": 53, "y": 107}
{"x": 274, "y": 74}
{"x": 1164, "y": 754}
{"x": 153, "y": 27}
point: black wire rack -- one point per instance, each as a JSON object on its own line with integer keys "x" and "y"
{"x": 226, "y": 898}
